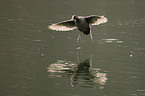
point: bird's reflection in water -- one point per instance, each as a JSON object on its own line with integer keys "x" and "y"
{"x": 81, "y": 75}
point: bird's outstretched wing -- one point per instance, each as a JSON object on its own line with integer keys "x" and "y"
{"x": 63, "y": 26}
{"x": 96, "y": 20}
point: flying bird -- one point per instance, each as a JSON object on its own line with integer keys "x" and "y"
{"x": 82, "y": 23}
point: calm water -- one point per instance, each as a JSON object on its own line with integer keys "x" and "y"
{"x": 35, "y": 61}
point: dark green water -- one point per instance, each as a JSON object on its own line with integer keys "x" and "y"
{"x": 35, "y": 61}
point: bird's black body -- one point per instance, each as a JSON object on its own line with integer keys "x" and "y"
{"x": 82, "y": 25}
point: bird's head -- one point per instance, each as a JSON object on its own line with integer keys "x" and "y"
{"x": 74, "y": 17}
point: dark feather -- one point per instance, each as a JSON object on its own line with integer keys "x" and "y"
{"x": 68, "y": 23}
{"x": 91, "y": 19}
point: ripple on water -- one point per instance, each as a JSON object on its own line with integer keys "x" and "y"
{"x": 130, "y": 23}
{"x": 111, "y": 40}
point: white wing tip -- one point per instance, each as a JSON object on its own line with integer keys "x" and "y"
{"x": 102, "y": 20}
{"x": 52, "y": 27}
{"x": 59, "y": 27}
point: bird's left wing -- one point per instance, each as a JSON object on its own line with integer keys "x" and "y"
{"x": 63, "y": 26}
{"x": 96, "y": 20}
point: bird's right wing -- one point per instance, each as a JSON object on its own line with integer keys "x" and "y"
{"x": 96, "y": 20}
{"x": 63, "y": 26}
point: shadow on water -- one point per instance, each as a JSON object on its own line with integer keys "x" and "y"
{"x": 81, "y": 74}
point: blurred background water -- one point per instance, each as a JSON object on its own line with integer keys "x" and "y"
{"x": 35, "y": 61}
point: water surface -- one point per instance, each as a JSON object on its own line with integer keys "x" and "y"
{"x": 36, "y": 61}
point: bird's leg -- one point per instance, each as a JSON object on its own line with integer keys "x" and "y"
{"x": 79, "y": 36}
{"x": 91, "y": 36}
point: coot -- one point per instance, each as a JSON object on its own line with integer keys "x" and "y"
{"x": 82, "y": 23}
